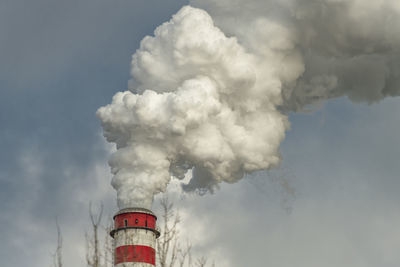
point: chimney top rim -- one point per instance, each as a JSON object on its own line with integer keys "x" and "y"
{"x": 134, "y": 210}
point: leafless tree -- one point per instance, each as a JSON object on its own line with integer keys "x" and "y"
{"x": 108, "y": 246}
{"x": 57, "y": 256}
{"x": 201, "y": 262}
{"x": 97, "y": 254}
{"x": 185, "y": 256}
{"x": 167, "y": 246}
{"x": 170, "y": 251}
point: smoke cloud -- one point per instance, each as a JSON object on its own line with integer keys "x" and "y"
{"x": 212, "y": 87}
{"x": 345, "y": 47}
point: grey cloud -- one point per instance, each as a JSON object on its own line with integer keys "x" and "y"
{"x": 61, "y": 60}
{"x": 344, "y": 211}
{"x": 342, "y": 160}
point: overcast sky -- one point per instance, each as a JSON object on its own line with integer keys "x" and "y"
{"x": 334, "y": 201}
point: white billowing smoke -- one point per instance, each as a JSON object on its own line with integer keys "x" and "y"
{"x": 200, "y": 102}
{"x": 212, "y": 97}
{"x": 346, "y": 47}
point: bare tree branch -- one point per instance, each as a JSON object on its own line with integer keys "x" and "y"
{"x": 167, "y": 243}
{"x": 99, "y": 249}
{"x": 170, "y": 252}
{"x": 95, "y": 257}
{"x": 201, "y": 262}
{"x": 57, "y": 256}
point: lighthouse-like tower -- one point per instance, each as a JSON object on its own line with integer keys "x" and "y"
{"x": 135, "y": 237}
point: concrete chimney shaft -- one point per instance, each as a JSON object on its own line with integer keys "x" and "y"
{"x": 135, "y": 237}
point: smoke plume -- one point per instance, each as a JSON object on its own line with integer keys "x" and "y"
{"x": 211, "y": 89}
{"x": 345, "y": 47}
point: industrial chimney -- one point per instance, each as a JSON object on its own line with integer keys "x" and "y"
{"x": 135, "y": 237}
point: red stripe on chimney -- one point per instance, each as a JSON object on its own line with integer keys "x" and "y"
{"x": 134, "y": 253}
{"x": 135, "y": 219}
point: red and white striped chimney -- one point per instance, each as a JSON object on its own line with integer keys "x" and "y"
{"x": 135, "y": 237}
